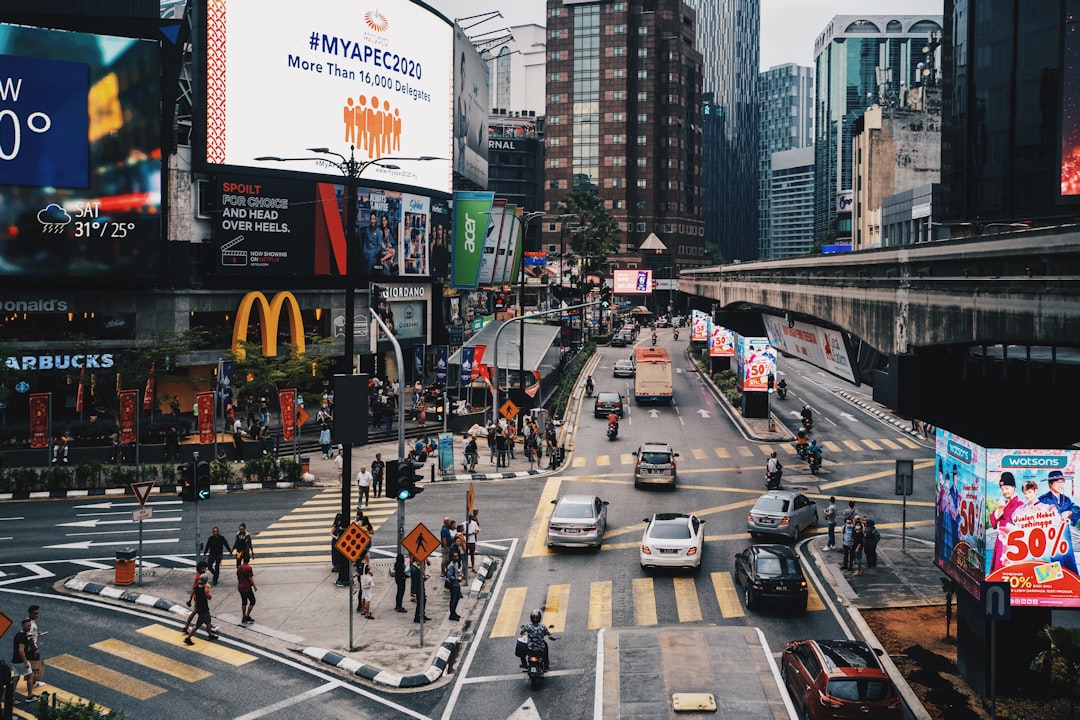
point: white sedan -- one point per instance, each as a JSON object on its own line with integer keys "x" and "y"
{"x": 672, "y": 540}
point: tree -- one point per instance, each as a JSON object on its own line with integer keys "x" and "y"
{"x": 596, "y": 231}
{"x": 258, "y": 375}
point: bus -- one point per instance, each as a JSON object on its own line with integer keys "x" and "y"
{"x": 652, "y": 379}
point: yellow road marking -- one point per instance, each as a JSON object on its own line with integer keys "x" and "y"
{"x": 722, "y": 453}
{"x": 766, "y": 450}
{"x": 919, "y": 465}
{"x": 118, "y": 681}
{"x": 600, "y": 605}
{"x": 852, "y": 445}
{"x": 627, "y": 458}
{"x": 686, "y": 600}
{"x": 813, "y": 600}
{"x": 698, "y": 453}
{"x": 579, "y": 462}
{"x": 558, "y": 598}
{"x": 909, "y": 443}
{"x": 302, "y": 560}
{"x": 889, "y": 444}
{"x": 160, "y": 663}
{"x": 263, "y": 547}
{"x": 644, "y": 601}
{"x": 508, "y": 620}
{"x": 202, "y": 645}
{"x": 831, "y": 446}
{"x": 871, "y": 444}
{"x": 535, "y": 543}
{"x": 727, "y": 597}
{"x": 603, "y": 460}
{"x": 62, "y": 697}
{"x": 745, "y": 451}
{"x": 290, "y": 533}
{"x": 787, "y": 448}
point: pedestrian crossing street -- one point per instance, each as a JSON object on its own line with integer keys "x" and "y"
{"x": 832, "y": 449}
{"x": 303, "y": 535}
{"x": 111, "y": 664}
{"x": 640, "y": 601}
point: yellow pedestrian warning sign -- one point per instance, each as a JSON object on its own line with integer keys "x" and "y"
{"x": 421, "y": 542}
{"x": 302, "y": 416}
{"x": 509, "y": 410}
{"x": 354, "y": 542}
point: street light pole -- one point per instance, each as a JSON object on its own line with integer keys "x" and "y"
{"x": 352, "y": 169}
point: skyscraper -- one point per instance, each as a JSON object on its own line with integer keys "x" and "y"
{"x": 859, "y": 60}
{"x": 624, "y": 119}
{"x": 728, "y": 33}
{"x": 786, "y": 113}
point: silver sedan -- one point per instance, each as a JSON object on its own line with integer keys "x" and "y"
{"x": 577, "y": 521}
{"x": 781, "y": 512}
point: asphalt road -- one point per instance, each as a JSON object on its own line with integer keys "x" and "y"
{"x": 721, "y": 474}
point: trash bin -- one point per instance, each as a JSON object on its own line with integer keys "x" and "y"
{"x": 125, "y": 567}
{"x": 305, "y": 464}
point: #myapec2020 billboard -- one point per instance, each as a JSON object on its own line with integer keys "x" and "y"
{"x": 283, "y": 77}
{"x": 1009, "y": 515}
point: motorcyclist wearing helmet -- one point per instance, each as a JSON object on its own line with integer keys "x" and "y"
{"x": 654, "y": 338}
{"x": 589, "y": 385}
{"x": 537, "y": 634}
{"x": 613, "y": 421}
{"x": 807, "y": 415}
{"x": 814, "y": 450}
{"x": 802, "y": 441}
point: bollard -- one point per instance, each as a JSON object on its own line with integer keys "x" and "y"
{"x": 125, "y": 567}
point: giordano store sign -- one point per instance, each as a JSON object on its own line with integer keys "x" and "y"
{"x": 410, "y": 313}
{"x": 270, "y": 314}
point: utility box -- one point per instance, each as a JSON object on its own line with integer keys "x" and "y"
{"x": 125, "y": 567}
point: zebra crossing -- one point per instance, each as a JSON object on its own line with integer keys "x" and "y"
{"x": 832, "y": 449}
{"x": 642, "y": 601}
{"x": 303, "y": 534}
{"x": 107, "y": 663}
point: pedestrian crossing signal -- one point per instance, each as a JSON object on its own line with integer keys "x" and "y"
{"x": 202, "y": 480}
{"x": 185, "y": 472}
{"x": 408, "y": 477}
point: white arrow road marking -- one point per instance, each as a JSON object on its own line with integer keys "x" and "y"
{"x": 654, "y": 413}
{"x": 121, "y": 532}
{"x": 703, "y": 412}
{"x": 849, "y": 417}
{"x": 87, "y": 544}
{"x": 127, "y": 513}
{"x": 107, "y": 505}
{"x": 40, "y": 573}
{"x": 12, "y": 518}
{"x": 95, "y": 523}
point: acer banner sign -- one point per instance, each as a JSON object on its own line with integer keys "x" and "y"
{"x": 471, "y": 226}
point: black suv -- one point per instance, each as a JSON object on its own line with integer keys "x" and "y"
{"x": 607, "y": 403}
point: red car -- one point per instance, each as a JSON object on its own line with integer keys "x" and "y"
{"x": 839, "y": 679}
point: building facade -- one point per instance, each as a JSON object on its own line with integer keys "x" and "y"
{"x": 624, "y": 120}
{"x": 786, "y": 112}
{"x": 859, "y": 60}
{"x": 516, "y": 164}
{"x": 517, "y": 71}
{"x": 728, "y": 34}
{"x": 791, "y": 206}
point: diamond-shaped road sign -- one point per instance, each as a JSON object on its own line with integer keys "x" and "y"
{"x": 421, "y": 542}
{"x": 354, "y": 542}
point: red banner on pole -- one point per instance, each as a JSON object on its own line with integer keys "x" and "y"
{"x": 205, "y": 403}
{"x": 148, "y": 393}
{"x": 478, "y": 360}
{"x": 287, "y": 400}
{"x": 79, "y": 392}
{"x": 128, "y": 403}
{"x": 39, "y": 420}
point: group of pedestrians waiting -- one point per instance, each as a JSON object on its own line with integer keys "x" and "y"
{"x": 859, "y": 537}
{"x": 207, "y": 574}
{"x": 26, "y": 659}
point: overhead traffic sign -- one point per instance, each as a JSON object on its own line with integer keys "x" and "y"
{"x": 420, "y": 542}
{"x": 142, "y": 490}
{"x": 354, "y": 542}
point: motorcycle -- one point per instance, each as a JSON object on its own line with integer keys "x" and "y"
{"x": 534, "y": 664}
{"x": 807, "y": 423}
{"x": 588, "y": 391}
{"x": 814, "y": 461}
{"x": 613, "y": 431}
{"x": 781, "y": 392}
{"x": 801, "y": 450}
{"x": 675, "y": 333}
{"x": 772, "y": 479}
{"x": 653, "y": 339}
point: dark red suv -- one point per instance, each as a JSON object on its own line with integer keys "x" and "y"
{"x": 839, "y": 679}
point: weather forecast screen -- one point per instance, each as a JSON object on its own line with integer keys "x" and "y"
{"x": 332, "y": 75}
{"x": 80, "y": 154}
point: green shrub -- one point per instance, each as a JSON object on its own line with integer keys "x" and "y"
{"x": 289, "y": 469}
{"x": 221, "y": 472}
{"x": 604, "y": 339}
{"x": 74, "y": 711}
{"x": 263, "y": 469}
{"x": 568, "y": 380}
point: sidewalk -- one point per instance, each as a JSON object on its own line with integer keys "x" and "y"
{"x": 300, "y": 610}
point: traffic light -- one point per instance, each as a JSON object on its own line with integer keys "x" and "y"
{"x": 605, "y": 298}
{"x": 186, "y": 474}
{"x": 202, "y": 480}
{"x": 408, "y": 477}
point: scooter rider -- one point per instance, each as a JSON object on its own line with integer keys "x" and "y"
{"x": 807, "y": 416}
{"x": 613, "y": 421}
{"x": 654, "y": 338}
{"x": 589, "y": 386}
{"x": 813, "y": 450}
{"x": 675, "y": 333}
{"x": 773, "y": 469}
{"x": 802, "y": 440}
{"x": 537, "y": 634}
{"x": 781, "y": 388}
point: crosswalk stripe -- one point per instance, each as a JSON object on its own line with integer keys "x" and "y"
{"x": 508, "y": 620}
{"x": 288, "y": 533}
{"x": 745, "y": 451}
{"x": 600, "y": 605}
{"x": 766, "y": 450}
{"x": 686, "y": 600}
{"x": 722, "y": 453}
{"x": 852, "y": 445}
{"x": 603, "y": 460}
{"x": 534, "y": 543}
{"x": 889, "y": 444}
{"x": 831, "y": 446}
{"x": 202, "y": 646}
{"x": 118, "y": 681}
{"x": 146, "y": 658}
{"x": 726, "y": 595}
{"x": 871, "y": 444}
{"x": 627, "y": 458}
{"x": 813, "y": 600}
{"x": 558, "y": 598}
{"x": 322, "y": 557}
{"x": 788, "y": 449}
{"x": 644, "y": 601}
{"x": 698, "y": 453}
{"x": 293, "y": 547}
{"x": 908, "y": 443}
{"x": 579, "y": 462}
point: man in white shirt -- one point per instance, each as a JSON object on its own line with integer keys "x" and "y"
{"x": 472, "y": 530}
{"x": 339, "y": 463}
{"x": 364, "y": 479}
